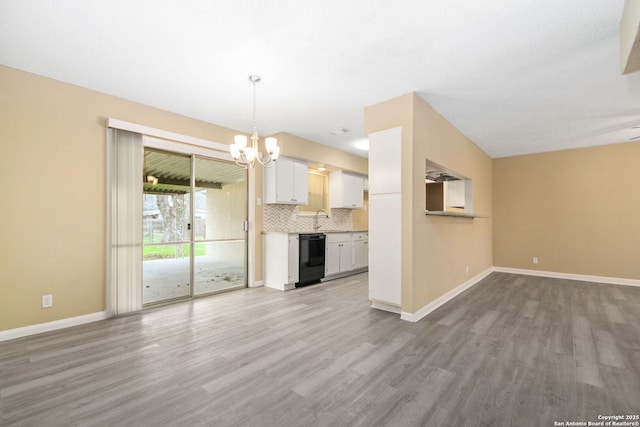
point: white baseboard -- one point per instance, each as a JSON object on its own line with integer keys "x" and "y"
{"x": 281, "y": 286}
{"x": 344, "y": 274}
{"x": 569, "y": 276}
{"x": 414, "y": 317}
{"x": 11, "y": 334}
{"x": 257, "y": 284}
{"x": 385, "y": 306}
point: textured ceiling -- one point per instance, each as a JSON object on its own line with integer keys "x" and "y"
{"x": 516, "y": 77}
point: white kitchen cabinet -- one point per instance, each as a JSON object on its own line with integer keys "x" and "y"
{"x": 346, "y": 190}
{"x": 360, "y": 250}
{"x": 332, "y": 259}
{"x": 455, "y": 194}
{"x": 346, "y": 257}
{"x": 346, "y": 252}
{"x": 281, "y": 252}
{"x": 385, "y": 220}
{"x": 338, "y": 254}
{"x": 360, "y": 255}
{"x": 294, "y": 259}
{"x": 287, "y": 182}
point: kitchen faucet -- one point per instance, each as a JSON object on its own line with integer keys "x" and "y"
{"x": 316, "y": 226}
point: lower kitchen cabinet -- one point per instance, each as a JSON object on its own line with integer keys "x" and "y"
{"x": 281, "y": 268}
{"x": 345, "y": 253}
{"x": 360, "y": 254}
{"x": 332, "y": 259}
{"x": 339, "y": 258}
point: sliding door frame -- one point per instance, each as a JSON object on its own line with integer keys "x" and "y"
{"x": 184, "y": 144}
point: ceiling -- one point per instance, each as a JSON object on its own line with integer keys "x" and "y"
{"x": 516, "y": 77}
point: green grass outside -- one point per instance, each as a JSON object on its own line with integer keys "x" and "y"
{"x": 168, "y": 251}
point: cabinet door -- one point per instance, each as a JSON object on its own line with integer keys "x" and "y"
{"x": 294, "y": 261}
{"x": 332, "y": 259}
{"x": 455, "y": 194}
{"x": 287, "y": 182}
{"x": 354, "y": 191}
{"x": 360, "y": 254}
{"x": 346, "y": 190}
{"x": 284, "y": 181}
{"x": 300, "y": 182}
{"x": 385, "y": 270}
{"x": 346, "y": 256}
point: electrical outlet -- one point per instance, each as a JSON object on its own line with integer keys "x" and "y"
{"x": 535, "y": 260}
{"x": 47, "y": 301}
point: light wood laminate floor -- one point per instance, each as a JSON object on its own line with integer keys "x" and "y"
{"x": 512, "y": 350}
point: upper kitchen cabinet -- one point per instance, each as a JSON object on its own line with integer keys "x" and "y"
{"x": 287, "y": 182}
{"x": 346, "y": 190}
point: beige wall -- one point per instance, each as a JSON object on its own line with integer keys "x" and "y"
{"x": 304, "y": 149}
{"x": 445, "y": 246}
{"x": 53, "y": 175}
{"x": 361, "y": 216}
{"x": 578, "y": 211}
{"x": 436, "y": 250}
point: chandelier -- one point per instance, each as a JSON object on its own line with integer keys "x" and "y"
{"x": 246, "y": 156}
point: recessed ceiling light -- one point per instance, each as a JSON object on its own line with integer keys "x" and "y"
{"x": 362, "y": 144}
{"x": 322, "y": 169}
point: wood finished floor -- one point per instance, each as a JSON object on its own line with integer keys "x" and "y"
{"x": 512, "y": 350}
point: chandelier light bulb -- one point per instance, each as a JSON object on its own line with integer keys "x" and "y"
{"x": 241, "y": 142}
{"x": 275, "y": 154}
{"x": 270, "y": 144}
{"x": 250, "y": 154}
{"x": 235, "y": 151}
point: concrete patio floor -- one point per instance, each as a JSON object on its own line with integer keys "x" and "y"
{"x": 166, "y": 279}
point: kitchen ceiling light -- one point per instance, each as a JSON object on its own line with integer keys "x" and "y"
{"x": 362, "y": 144}
{"x": 245, "y": 156}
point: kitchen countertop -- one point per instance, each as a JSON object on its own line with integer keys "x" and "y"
{"x": 314, "y": 231}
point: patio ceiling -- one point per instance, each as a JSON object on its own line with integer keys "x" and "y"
{"x": 173, "y": 172}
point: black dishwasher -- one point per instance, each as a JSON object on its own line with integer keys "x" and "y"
{"x": 311, "y": 258}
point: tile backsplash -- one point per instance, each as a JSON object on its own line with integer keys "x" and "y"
{"x": 285, "y": 218}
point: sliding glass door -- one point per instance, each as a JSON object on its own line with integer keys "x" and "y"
{"x": 220, "y": 226}
{"x": 194, "y": 238}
